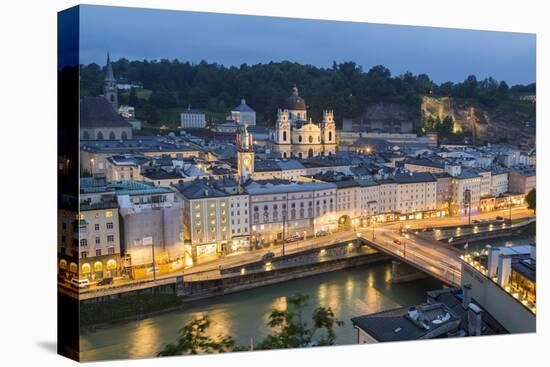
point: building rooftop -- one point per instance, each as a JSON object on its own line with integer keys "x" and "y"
{"x": 200, "y": 189}
{"x": 243, "y": 107}
{"x": 98, "y": 112}
{"x": 284, "y": 186}
{"x": 134, "y": 146}
{"x": 413, "y": 177}
{"x": 93, "y": 185}
{"x": 406, "y": 323}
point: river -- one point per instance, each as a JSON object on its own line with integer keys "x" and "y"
{"x": 349, "y": 292}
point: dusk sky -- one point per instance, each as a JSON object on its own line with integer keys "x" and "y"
{"x": 443, "y": 54}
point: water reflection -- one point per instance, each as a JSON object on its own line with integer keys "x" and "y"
{"x": 349, "y": 292}
{"x": 143, "y": 341}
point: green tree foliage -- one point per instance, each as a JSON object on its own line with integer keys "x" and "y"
{"x": 443, "y": 127}
{"x": 531, "y": 199}
{"x": 291, "y": 330}
{"x": 344, "y": 87}
{"x": 192, "y": 339}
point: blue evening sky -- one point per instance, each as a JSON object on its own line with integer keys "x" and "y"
{"x": 443, "y": 54}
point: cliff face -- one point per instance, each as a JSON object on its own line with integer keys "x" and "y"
{"x": 512, "y": 120}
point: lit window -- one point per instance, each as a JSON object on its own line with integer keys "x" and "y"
{"x": 109, "y": 214}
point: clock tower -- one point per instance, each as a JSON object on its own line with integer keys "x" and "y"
{"x": 245, "y": 154}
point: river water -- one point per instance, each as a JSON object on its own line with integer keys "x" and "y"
{"x": 349, "y": 292}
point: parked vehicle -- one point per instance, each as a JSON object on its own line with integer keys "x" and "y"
{"x": 476, "y": 221}
{"x": 268, "y": 256}
{"x": 499, "y": 218}
{"x": 397, "y": 242}
{"x": 105, "y": 281}
{"x": 293, "y": 238}
{"x": 80, "y": 283}
{"x": 322, "y": 233}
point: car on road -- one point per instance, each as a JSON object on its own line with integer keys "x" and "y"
{"x": 105, "y": 281}
{"x": 322, "y": 233}
{"x": 80, "y": 283}
{"x": 268, "y": 256}
{"x": 499, "y": 218}
{"x": 476, "y": 221}
{"x": 293, "y": 238}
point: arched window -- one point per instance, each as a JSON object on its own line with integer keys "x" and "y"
{"x": 124, "y": 136}
{"x": 112, "y": 136}
{"x": 300, "y": 154}
{"x": 299, "y": 138}
{"x": 99, "y": 135}
{"x": 63, "y": 264}
{"x": 284, "y": 154}
{"x": 310, "y": 139}
{"x": 73, "y": 268}
{"x": 330, "y": 136}
{"x": 98, "y": 266}
{"x": 284, "y": 135}
{"x": 86, "y": 135}
{"x": 86, "y": 268}
{"x": 111, "y": 264}
{"x": 112, "y": 97}
{"x": 310, "y": 153}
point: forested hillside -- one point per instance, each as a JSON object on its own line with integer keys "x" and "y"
{"x": 170, "y": 86}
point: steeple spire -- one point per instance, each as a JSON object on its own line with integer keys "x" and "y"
{"x": 109, "y": 74}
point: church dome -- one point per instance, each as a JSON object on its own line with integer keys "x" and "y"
{"x": 295, "y": 102}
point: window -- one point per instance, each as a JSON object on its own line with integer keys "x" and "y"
{"x": 83, "y": 242}
{"x": 84, "y": 254}
{"x": 110, "y": 238}
{"x": 111, "y": 250}
{"x": 97, "y": 240}
{"x": 109, "y": 214}
{"x": 96, "y": 227}
{"x": 110, "y": 225}
{"x": 98, "y": 252}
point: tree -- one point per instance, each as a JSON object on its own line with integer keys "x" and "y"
{"x": 531, "y": 199}
{"x": 292, "y": 331}
{"x": 133, "y": 99}
{"x": 192, "y": 340}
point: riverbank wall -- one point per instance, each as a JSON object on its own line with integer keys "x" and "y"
{"x": 143, "y": 303}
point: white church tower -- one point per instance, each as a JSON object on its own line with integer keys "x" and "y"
{"x": 245, "y": 154}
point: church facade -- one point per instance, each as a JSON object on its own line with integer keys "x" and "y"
{"x": 296, "y": 136}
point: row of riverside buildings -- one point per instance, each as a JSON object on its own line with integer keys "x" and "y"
{"x": 133, "y": 208}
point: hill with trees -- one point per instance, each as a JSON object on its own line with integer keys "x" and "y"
{"x": 171, "y": 86}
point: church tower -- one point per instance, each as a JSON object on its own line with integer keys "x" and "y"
{"x": 109, "y": 85}
{"x": 245, "y": 154}
{"x": 328, "y": 127}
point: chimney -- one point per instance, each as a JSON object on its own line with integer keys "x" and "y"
{"x": 493, "y": 261}
{"x": 466, "y": 295}
{"x": 474, "y": 320}
{"x": 504, "y": 269}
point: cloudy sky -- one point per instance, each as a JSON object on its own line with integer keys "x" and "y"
{"x": 443, "y": 54}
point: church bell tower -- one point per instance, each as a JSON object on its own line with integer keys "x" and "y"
{"x": 245, "y": 154}
{"x": 109, "y": 85}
